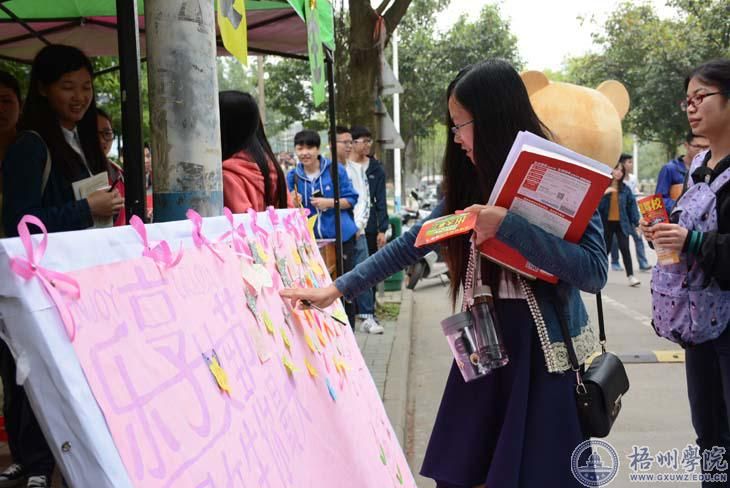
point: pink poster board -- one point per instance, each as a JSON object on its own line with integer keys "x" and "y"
{"x": 301, "y": 408}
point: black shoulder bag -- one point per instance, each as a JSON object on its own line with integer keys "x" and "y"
{"x": 601, "y": 387}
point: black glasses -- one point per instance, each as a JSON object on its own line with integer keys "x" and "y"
{"x": 107, "y": 135}
{"x": 363, "y": 141}
{"x": 696, "y": 100}
{"x": 455, "y": 128}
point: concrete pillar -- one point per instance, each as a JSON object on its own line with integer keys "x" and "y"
{"x": 184, "y": 118}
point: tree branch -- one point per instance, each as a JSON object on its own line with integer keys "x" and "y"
{"x": 394, "y": 14}
{"x": 381, "y": 7}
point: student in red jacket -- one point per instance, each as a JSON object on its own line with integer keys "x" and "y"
{"x": 251, "y": 177}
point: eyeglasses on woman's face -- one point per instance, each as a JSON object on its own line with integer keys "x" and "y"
{"x": 696, "y": 100}
{"x": 107, "y": 134}
{"x": 455, "y": 129}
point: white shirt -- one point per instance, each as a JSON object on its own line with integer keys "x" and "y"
{"x": 632, "y": 183}
{"x": 72, "y": 137}
{"x": 361, "y": 212}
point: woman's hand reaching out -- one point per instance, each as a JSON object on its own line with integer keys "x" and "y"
{"x": 489, "y": 218}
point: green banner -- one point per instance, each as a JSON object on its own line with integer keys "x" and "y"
{"x": 316, "y": 53}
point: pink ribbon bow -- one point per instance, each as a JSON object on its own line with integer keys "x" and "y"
{"x": 255, "y": 227}
{"x": 198, "y": 238}
{"x": 237, "y": 235}
{"x": 289, "y": 225}
{"x": 51, "y": 280}
{"x": 160, "y": 253}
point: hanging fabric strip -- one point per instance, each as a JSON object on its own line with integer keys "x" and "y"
{"x": 160, "y": 253}
{"x": 198, "y": 238}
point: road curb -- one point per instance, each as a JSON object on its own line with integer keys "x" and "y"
{"x": 395, "y": 395}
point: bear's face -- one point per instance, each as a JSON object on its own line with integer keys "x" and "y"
{"x": 585, "y": 120}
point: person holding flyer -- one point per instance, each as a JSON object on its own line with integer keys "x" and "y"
{"x": 699, "y": 230}
{"x": 499, "y": 430}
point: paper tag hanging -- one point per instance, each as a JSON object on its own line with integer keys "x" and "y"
{"x": 268, "y": 322}
{"x": 283, "y": 269}
{"x": 297, "y": 256}
{"x": 285, "y": 337}
{"x": 289, "y": 365}
{"x": 311, "y": 369}
{"x": 251, "y": 304}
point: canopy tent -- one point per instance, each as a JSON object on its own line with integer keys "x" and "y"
{"x": 274, "y": 26}
{"x": 107, "y": 28}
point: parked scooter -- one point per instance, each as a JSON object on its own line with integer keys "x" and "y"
{"x": 429, "y": 266}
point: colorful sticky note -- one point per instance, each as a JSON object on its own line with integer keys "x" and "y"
{"x": 256, "y": 275}
{"x": 398, "y": 475}
{"x": 322, "y": 339}
{"x": 296, "y": 257}
{"x": 262, "y": 254}
{"x": 309, "y": 342}
{"x": 312, "y": 370}
{"x": 331, "y": 389}
{"x": 267, "y": 322}
{"x": 309, "y": 316}
{"x": 285, "y": 337}
{"x": 289, "y": 365}
{"x": 316, "y": 267}
{"x": 219, "y": 374}
{"x": 340, "y": 314}
{"x": 259, "y": 344}
{"x": 383, "y": 459}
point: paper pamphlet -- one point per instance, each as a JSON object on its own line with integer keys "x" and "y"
{"x": 550, "y": 186}
{"x": 83, "y": 188}
{"x": 446, "y": 227}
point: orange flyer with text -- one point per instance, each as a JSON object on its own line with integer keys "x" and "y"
{"x": 445, "y": 227}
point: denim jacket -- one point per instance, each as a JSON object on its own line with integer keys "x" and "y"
{"x": 582, "y": 266}
{"x": 628, "y": 211}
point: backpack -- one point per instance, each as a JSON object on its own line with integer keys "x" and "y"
{"x": 689, "y": 307}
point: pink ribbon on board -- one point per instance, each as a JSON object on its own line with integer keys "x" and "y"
{"x": 237, "y": 235}
{"x": 256, "y": 228}
{"x": 289, "y": 225}
{"x": 161, "y": 252}
{"x": 51, "y": 280}
{"x": 198, "y": 238}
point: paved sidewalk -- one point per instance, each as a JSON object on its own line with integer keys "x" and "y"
{"x": 387, "y": 356}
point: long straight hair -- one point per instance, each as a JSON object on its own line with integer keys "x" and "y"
{"x": 49, "y": 65}
{"x": 243, "y": 130}
{"x": 495, "y": 96}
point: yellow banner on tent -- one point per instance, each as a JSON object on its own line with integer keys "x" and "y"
{"x": 232, "y": 24}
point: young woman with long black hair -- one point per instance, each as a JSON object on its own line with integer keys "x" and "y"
{"x": 251, "y": 176}
{"x": 57, "y": 145}
{"x": 518, "y": 426}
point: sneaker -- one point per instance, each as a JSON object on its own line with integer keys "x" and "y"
{"x": 616, "y": 267}
{"x": 371, "y": 326}
{"x": 633, "y": 281}
{"x": 14, "y": 475}
{"x": 37, "y": 482}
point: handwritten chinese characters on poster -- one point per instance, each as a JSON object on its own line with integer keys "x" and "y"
{"x": 210, "y": 380}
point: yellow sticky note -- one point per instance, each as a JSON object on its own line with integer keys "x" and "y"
{"x": 285, "y": 337}
{"x": 320, "y": 336}
{"x": 219, "y": 374}
{"x": 262, "y": 254}
{"x": 309, "y": 342}
{"x": 311, "y": 221}
{"x": 312, "y": 370}
{"x": 289, "y": 365}
{"x": 340, "y": 314}
{"x": 316, "y": 267}
{"x": 295, "y": 256}
{"x": 267, "y": 322}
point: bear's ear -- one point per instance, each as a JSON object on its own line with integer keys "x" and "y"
{"x": 534, "y": 81}
{"x": 617, "y": 94}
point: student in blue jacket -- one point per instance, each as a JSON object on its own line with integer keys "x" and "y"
{"x": 311, "y": 183}
{"x": 518, "y": 426}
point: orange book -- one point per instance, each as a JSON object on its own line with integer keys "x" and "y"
{"x": 436, "y": 230}
{"x": 654, "y": 212}
{"x": 549, "y": 189}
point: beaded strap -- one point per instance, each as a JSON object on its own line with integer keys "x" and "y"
{"x": 471, "y": 267}
{"x": 542, "y": 332}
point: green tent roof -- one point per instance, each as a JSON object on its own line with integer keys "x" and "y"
{"x": 274, "y": 26}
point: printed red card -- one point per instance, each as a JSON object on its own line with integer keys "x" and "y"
{"x": 445, "y": 228}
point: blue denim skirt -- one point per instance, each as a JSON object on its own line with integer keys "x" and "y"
{"x": 515, "y": 428}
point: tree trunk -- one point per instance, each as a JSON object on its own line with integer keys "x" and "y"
{"x": 364, "y": 67}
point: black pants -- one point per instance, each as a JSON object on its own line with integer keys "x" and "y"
{"x": 372, "y": 249}
{"x": 348, "y": 262}
{"x": 708, "y": 386}
{"x": 27, "y": 444}
{"x": 614, "y": 228}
